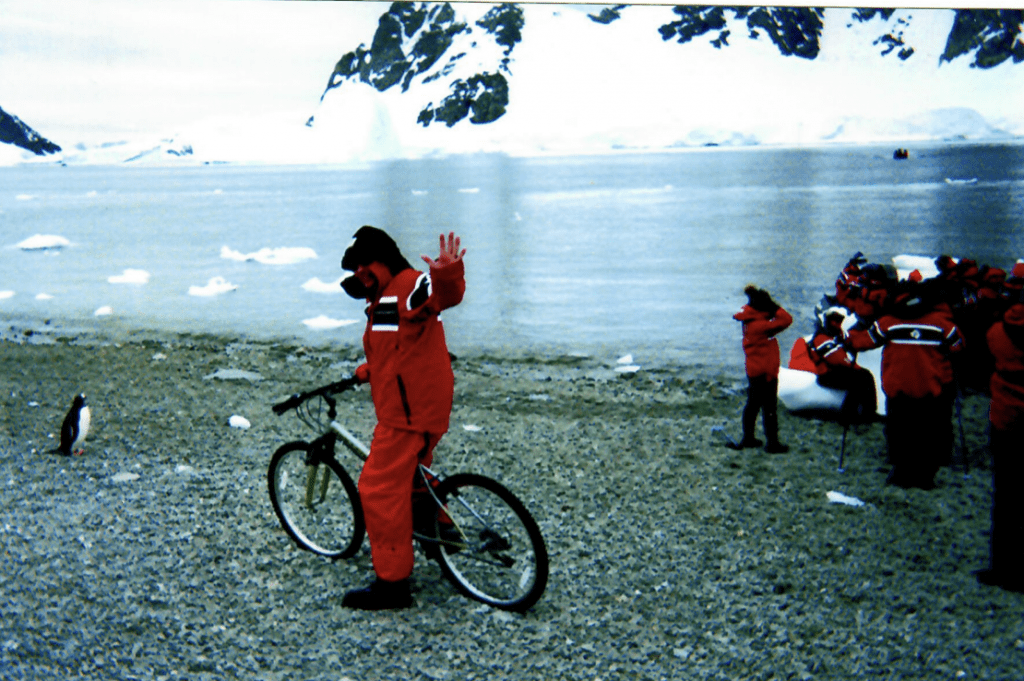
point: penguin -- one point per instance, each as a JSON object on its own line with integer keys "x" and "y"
{"x": 75, "y": 428}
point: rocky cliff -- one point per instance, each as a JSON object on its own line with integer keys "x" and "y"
{"x": 14, "y": 131}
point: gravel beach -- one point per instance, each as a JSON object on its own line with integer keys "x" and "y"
{"x": 157, "y": 555}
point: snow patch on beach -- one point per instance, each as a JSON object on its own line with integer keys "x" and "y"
{"x": 317, "y": 286}
{"x": 324, "y": 322}
{"x": 270, "y": 256}
{"x": 130, "y": 276}
{"x": 216, "y": 286}
{"x": 39, "y": 242}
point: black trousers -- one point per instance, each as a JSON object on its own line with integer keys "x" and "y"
{"x": 860, "y": 403}
{"x": 762, "y": 396}
{"x": 1006, "y": 552}
{"x": 919, "y": 437}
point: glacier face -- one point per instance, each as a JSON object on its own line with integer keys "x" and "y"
{"x": 523, "y": 79}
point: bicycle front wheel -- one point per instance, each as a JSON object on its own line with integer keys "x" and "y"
{"x": 316, "y": 501}
{"x": 490, "y": 547}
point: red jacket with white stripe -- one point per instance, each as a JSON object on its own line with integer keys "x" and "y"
{"x": 916, "y": 351}
{"x": 407, "y": 361}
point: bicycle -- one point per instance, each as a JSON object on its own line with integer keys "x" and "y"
{"x": 480, "y": 534}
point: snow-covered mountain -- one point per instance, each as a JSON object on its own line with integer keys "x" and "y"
{"x": 438, "y": 78}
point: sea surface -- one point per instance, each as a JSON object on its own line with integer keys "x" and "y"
{"x": 628, "y": 254}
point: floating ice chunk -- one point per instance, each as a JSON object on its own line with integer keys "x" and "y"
{"x": 470, "y": 190}
{"x": 317, "y": 286}
{"x": 44, "y": 296}
{"x": 625, "y": 359}
{"x": 419, "y": 192}
{"x": 125, "y": 477}
{"x": 628, "y": 369}
{"x": 233, "y": 374}
{"x": 25, "y": 197}
{"x": 40, "y": 242}
{"x": 130, "y": 276}
{"x": 324, "y": 322}
{"x": 104, "y": 311}
{"x": 839, "y": 498}
{"x": 237, "y": 421}
{"x": 270, "y": 256}
{"x": 215, "y": 286}
{"x": 6, "y": 294}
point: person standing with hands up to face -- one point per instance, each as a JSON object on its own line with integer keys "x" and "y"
{"x": 763, "y": 319}
{"x": 410, "y": 375}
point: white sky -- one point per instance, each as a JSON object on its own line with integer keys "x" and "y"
{"x": 91, "y": 71}
{"x": 100, "y": 70}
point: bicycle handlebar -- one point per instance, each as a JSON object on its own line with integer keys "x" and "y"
{"x": 323, "y": 391}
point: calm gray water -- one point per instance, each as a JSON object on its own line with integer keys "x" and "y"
{"x": 635, "y": 253}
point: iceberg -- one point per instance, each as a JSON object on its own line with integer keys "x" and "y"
{"x": 324, "y": 322}
{"x": 130, "y": 276}
{"x": 215, "y": 286}
{"x": 39, "y": 242}
{"x": 270, "y": 256}
{"x": 317, "y": 286}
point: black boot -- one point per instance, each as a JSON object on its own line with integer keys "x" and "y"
{"x": 745, "y": 443}
{"x": 380, "y": 595}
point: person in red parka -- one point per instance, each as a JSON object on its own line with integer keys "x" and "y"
{"x": 762, "y": 320}
{"x": 411, "y": 381}
{"x": 837, "y": 368}
{"x": 918, "y": 340}
{"x": 1006, "y": 421}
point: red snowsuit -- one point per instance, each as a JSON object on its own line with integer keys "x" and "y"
{"x": 917, "y": 379}
{"x": 1006, "y": 416}
{"x": 410, "y": 375}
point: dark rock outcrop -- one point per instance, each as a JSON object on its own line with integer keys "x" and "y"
{"x": 14, "y": 131}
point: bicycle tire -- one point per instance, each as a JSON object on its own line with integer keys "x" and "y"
{"x": 321, "y": 513}
{"x": 499, "y": 557}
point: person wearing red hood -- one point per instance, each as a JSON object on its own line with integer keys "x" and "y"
{"x": 1006, "y": 421}
{"x": 763, "y": 319}
{"x": 410, "y": 375}
{"x": 918, "y": 339}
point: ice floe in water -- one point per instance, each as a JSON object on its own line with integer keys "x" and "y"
{"x": 44, "y": 296}
{"x": 270, "y": 256}
{"x": 626, "y": 365}
{"x": 130, "y": 276}
{"x": 215, "y": 286}
{"x": 325, "y": 322}
{"x": 317, "y": 286}
{"x": 6, "y": 294}
{"x": 40, "y": 242}
{"x": 104, "y": 311}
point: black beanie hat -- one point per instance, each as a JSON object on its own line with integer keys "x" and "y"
{"x": 373, "y": 245}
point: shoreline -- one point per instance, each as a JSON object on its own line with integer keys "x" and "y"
{"x": 156, "y": 554}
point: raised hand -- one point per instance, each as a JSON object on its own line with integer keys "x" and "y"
{"x": 449, "y": 252}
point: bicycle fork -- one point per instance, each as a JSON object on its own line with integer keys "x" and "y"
{"x": 314, "y": 457}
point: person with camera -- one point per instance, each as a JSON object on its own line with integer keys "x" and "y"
{"x": 763, "y": 319}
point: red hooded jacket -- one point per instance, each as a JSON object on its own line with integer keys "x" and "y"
{"x": 407, "y": 361}
{"x": 1007, "y": 384}
{"x": 760, "y": 346}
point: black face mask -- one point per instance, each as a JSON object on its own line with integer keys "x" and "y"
{"x": 352, "y": 286}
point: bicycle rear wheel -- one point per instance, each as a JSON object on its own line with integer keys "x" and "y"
{"x": 316, "y": 501}
{"x": 490, "y": 548}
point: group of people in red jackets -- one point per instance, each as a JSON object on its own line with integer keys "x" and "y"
{"x": 962, "y": 329}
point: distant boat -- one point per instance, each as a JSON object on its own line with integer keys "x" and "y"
{"x": 972, "y": 180}
{"x": 901, "y": 154}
